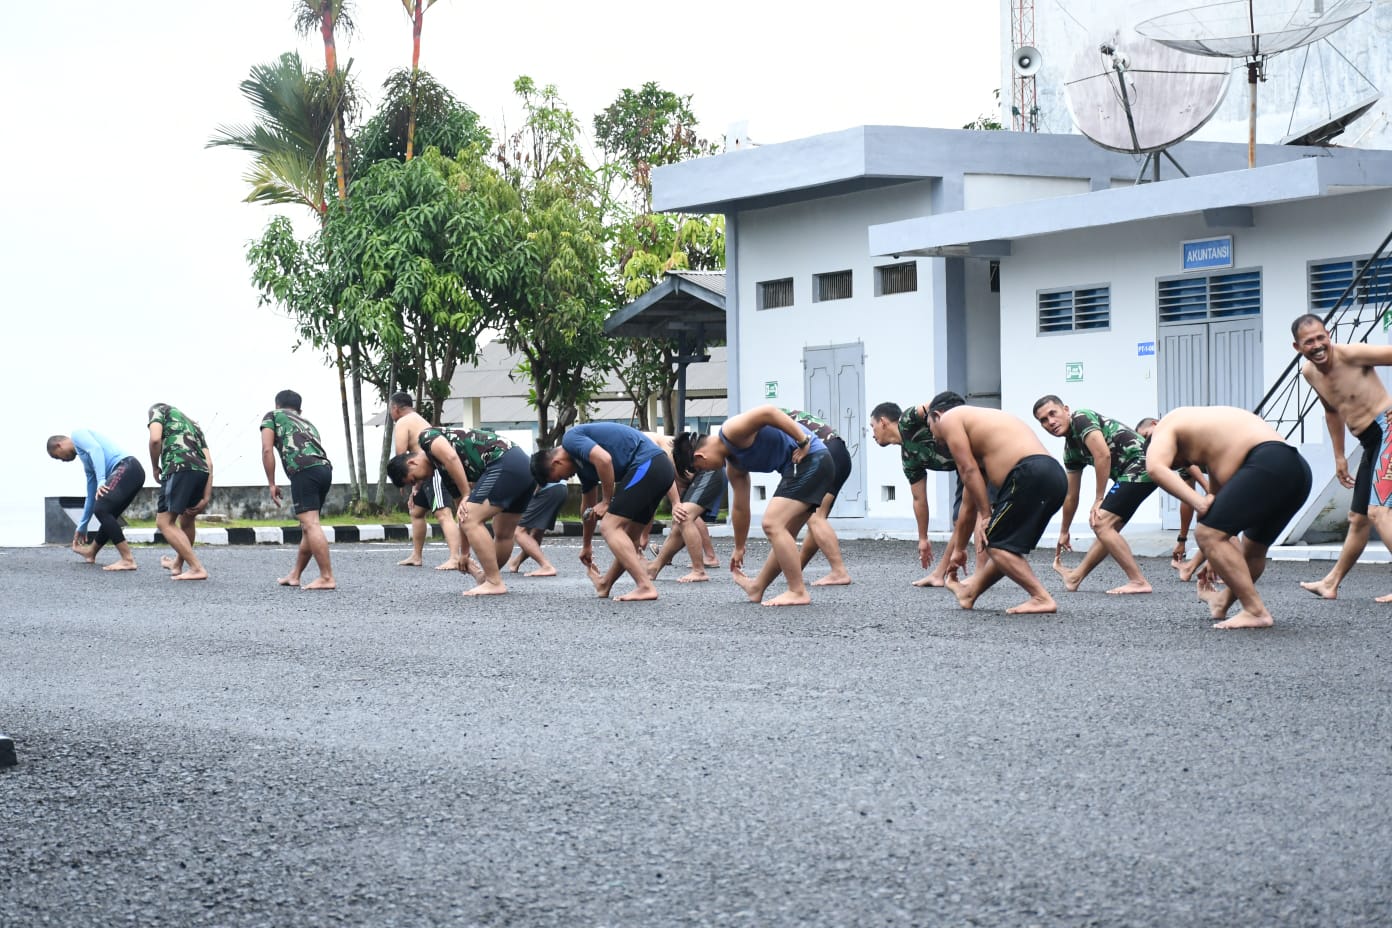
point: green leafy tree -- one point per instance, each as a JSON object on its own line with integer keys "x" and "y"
{"x": 552, "y": 302}
{"x": 328, "y": 18}
{"x": 644, "y": 129}
{"x": 441, "y": 121}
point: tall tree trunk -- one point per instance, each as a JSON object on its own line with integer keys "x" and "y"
{"x": 358, "y": 422}
{"x": 387, "y": 447}
{"x": 415, "y": 72}
{"x": 347, "y": 425}
{"x": 326, "y": 30}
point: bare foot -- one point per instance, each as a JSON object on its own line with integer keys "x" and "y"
{"x": 1245, "y": 619}
{"x": 1385, "y": 598}
{"x": 1133, "y": 586}
{"x": 122, "y": 564}
{"x": 1069, "y": 583}
{"x": 965, "y": 597}
{"x": 789, "y": 598}
{"x": 835, "y": 578}
{"x": 1186, "y": 573}
{"x": 87, "y": 552}
{"x": 471, "y": 567}
{"x": 711, "y": 562}
{"x": 514, "y": 567}
{"x": 597, "y": 579}
{"x": 640, "y": 594}
{"x": 409, "y": 562}
{"x": 749, "y": 586}
{"x": 451, "y": 564}
{"x": 696, "y": 576}
{"x": 321, "y": 583}
{"x": 168, "y": 561}
{"x": 930, "y": 580}
{"x": 1035, "y": 604}
{"x": 289, "y": 581}
{"x": 1217, "y": 600}
{"x": 486, "y": 588}
{"x": 1321, "y": 588}
{"x": 542, "y": 572}
{"x": 199, "y": 574}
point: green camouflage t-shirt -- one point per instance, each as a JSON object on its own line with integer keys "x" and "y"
{"x": 183, "y": 446}
{"x": 817, "y": 426}
{"x": 919, "y": 450}
{"x": 1127, "y": 448}
{"x": 296, "y": 439}
{"x": 477, "y": 448}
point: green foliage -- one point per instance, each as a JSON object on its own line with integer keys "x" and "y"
{"x": 441, "y": 122}
{"x": 645, "y": 129}
{"x": 986, "y": 121}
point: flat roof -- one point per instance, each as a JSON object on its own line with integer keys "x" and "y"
{"x": 989, "y": 232}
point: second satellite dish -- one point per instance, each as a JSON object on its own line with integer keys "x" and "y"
{"x": 1132, "y": 94}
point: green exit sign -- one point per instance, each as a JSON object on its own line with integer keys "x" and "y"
{"x": 770, "y": 389}
{"x": 1073, "y": 372}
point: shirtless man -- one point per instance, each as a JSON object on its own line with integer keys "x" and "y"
{"x": 991, "y": 445}
{"x": 766, "y": 440}
{"x": 1115, "y": 452}
{"x": 429, "y": 495}
{"x": 1259, "y": 483}
{"x": 489, "y": 476}
{"x": 693, "y": 493}
{"x": 183, "y": 467}
{"x": 623, "y": 477}
{"x": 1348, "y": 385}
{"x": 919, "y": 452}
{"x": 1179, "y": 555}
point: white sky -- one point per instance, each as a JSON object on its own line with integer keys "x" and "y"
{"x": 123, "y": 239}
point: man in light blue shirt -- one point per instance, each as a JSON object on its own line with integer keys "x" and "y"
{"x": 113, "y": 479}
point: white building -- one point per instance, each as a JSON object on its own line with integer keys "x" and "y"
{"x": 886, "y": 263}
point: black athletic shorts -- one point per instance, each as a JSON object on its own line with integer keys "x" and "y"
{"x": 841, "y": 457}
{"x": 1123, "y": 499}
{"x": 1265, "y": 493}
{"x": 1033, "y": 491}
{"x": 309, "y": 489}
{"x": 639, "y": 492}
{"x": 431, "y": 494}
{"x": 546, "y": 504}
{"x": 808, "y": 481}
{"x": 506, "y": 483}
{"x": 706, "y": 489}
{"x": 181, "y": 490}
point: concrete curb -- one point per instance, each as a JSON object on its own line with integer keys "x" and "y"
{"x": 336, "y": 534}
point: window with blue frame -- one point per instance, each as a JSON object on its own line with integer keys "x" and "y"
{"x": 1210, "y": 298}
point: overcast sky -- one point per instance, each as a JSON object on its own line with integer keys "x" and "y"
{"x": 123, "y": 241}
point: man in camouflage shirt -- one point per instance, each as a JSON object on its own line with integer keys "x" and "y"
{"x": 920, "y": 453}
{"x": 820, "y": 535}
{"x": 1116, "y": 453}
{"x": 492, "y": 479}
{"x": 286, "y": 431}
{"x": 184, "y": 470}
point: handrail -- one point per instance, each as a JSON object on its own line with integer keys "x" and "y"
{"x": 1290, "y": 388}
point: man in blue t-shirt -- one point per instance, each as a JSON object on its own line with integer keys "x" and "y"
{"x": 113, "y": 479}
{"x": 623, "y": 476}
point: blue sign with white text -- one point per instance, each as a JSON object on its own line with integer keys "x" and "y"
{"x": 1145, "y": 349}
{"x": 1205, "y": 253}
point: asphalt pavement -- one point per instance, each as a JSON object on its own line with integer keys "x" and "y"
{"x": 236, "y": 753}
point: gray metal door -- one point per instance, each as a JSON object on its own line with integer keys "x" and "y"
{"x": 1208, "y": 364}
{"x": 834, "y": 390}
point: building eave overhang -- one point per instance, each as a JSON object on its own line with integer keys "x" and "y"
{"x": 991, "y": 232}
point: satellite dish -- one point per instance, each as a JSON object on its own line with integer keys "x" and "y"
{"x": 1028, "y": 61}
{"x": 1236, "y": 29}
{"x": 1325, "y": 131}
{"x": 1137, "y": 96}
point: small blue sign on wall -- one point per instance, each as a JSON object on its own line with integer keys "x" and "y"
{"x": 1204, "y": 253}
{"x": 1145, "y": 349}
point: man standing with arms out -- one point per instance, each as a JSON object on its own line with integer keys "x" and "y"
{"x": 286, "y": 431}
{"x": 765, "y": 440}
{"x": 1346, "y": 379}
{"x": 820, "y": 535}
{"x": 489, "y": 476}
{"x": 1114, "y": 451}
{"x": 920, "y": 452}
{"x": 113, "y": 479}
{"x": 184, "y": 470}
{"x": 623, "y": 476}
{"x": 990, "y": 445}
{"x": 1259, "y": 482}
{"x": 429, "y": 496}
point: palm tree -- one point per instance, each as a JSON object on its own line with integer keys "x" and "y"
{"x": 416, "y": 10}
{"x": 290, "y": 138}
{"x": 327, "y": 17}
